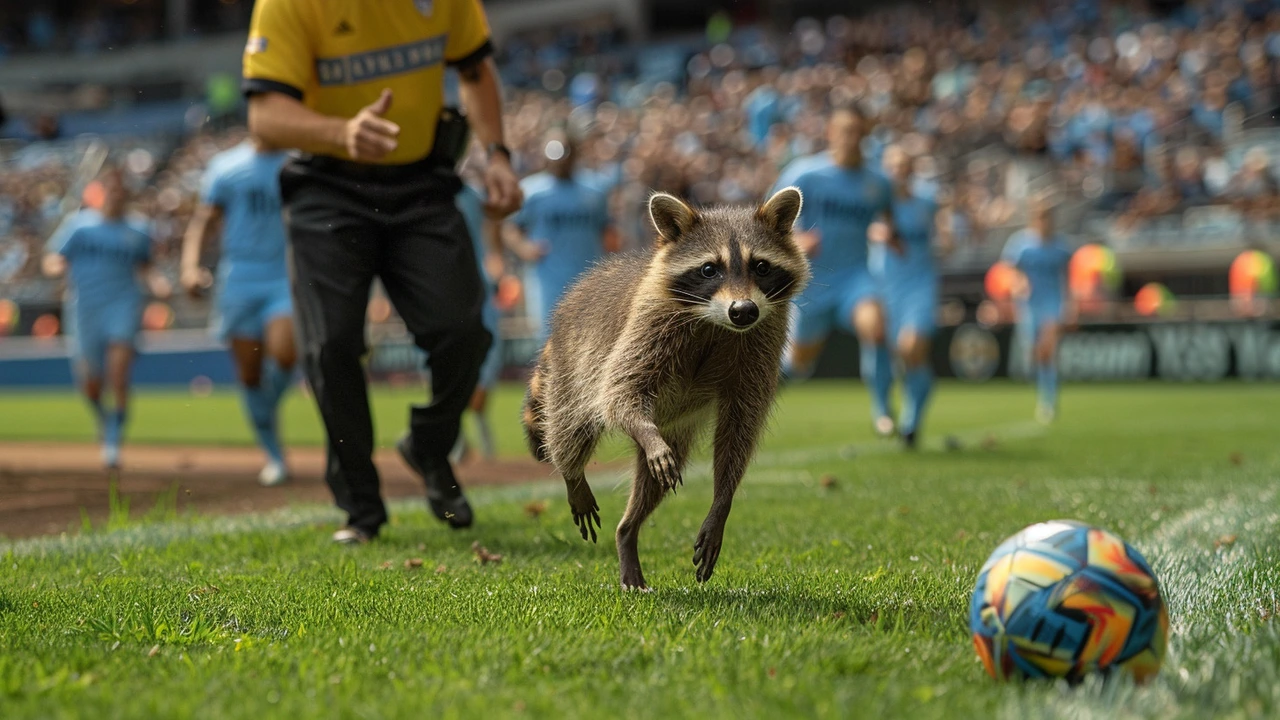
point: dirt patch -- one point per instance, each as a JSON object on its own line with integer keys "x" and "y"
{"x": 48, "y": 488}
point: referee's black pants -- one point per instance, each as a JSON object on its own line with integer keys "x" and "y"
{"x": 347, "y": 224}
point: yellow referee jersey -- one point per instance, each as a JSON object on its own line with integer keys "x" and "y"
{"x": 337, "y": 56}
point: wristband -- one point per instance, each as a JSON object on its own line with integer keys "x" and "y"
{"x": 496, "y": 148}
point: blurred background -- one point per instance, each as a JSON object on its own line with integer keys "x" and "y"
{"x": 1151, "y": 126}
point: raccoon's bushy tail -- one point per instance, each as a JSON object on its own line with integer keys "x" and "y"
{"x": 534, "y": 419}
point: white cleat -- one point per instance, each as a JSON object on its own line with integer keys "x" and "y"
{"x": 273, "y": 474}
{"x": 1045, "y": 414}
{"x": 884, "y": 426}
{"x": 110, "y": 456}
{"x": 351, "y": 536}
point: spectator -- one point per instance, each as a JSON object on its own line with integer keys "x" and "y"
{"x": 1189, "y": 177}
{"x": 1254, "y": 190}
{"x": 1158, "y": 196}
{"x": 14, "y": 254}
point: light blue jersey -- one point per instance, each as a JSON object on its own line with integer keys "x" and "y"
{"x": 909, "y": 281}
{"x": 471, "y": 205}
{"x": 913, "y": 221}
{"x": 1044, "y": 263}
{"x": 253, "y": 277}
{"x": 245, "y": 185}
{"x": 569, "y": 220}
{"x": 840, "y": 204}
{"x": 104, "y": 296}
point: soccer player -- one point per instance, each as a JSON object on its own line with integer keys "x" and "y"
{"x": 254, "y": 309}
{"x": 562, "y": 228}
{"x": 910, "y": 288}
{"x": 1041, "y": 258}
{"x": 842, "y": 198}
{"x": 485, "y": 239}
{"x": 103, "y": 256}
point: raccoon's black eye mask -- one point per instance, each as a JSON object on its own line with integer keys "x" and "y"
{"x": 697, "y": 284}
{"x": 774, "y": 281}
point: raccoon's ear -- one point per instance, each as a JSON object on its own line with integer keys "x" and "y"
{"x": 671, "y": 217}
{"x": 779, "y": 212}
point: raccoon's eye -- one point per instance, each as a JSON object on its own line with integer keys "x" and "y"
{"x": 763, "y": 267}
{"x": 709, "y": 271}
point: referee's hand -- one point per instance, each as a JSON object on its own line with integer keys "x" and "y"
{"x": 369, "y": 136}
{"x": 502, "y": 188}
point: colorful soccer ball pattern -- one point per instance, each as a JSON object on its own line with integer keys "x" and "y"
{"x": 1062, "y": 599}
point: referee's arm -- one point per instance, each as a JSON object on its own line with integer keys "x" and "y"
{"x": 481, "y": 95}
{"x": 276, "y": 111}
{"x": 282, "y": 121}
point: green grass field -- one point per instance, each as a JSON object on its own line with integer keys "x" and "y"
{"x": 842, "y": 601}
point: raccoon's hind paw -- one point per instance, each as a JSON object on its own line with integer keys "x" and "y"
{"x": 631, "y": 575}
{"x": 664, "y": 468}
{"x": 706, "y": 551}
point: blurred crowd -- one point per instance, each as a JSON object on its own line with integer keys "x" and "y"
{"x": 89, "y": 26}
{"x": 31, "y": 195}
{"x": 164, "y": 178}
{"x": 1129, "y": 114}
{"x": 1105, "y": 102}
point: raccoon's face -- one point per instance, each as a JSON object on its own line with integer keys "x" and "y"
{"x": 730, "y": 266}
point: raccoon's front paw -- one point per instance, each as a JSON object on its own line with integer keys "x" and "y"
{"x": 706, "y": 550}
{"x": 587, "y": 522}
{"x": 664, "y": 468}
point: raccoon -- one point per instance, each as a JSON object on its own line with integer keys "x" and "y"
{"x": 657, "y": 344}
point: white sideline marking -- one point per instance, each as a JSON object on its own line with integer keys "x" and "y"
{"x": 279, "y": 520}
{"x": 779, "y": 466}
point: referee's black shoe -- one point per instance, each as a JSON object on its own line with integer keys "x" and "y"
{"x": 444, "y": 495}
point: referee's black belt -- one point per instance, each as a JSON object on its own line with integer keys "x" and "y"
{"x": 326, "y": 165}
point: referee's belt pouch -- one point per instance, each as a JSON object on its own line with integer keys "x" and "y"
{"x": 290, "y": 175}
{"x": 453, "y": 135}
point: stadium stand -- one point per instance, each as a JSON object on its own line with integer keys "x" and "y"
{"x": 1153, "y": 132}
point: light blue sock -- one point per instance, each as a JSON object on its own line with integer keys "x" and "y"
{"x": 113, "y": 422}
{"x": 877, "y": 375}
{"x": 276, "y": 380}
{"x": 113, "y": 427}
{"x": 918, "y": 384}
{"x": 1047, "y": 385}
{"x": 261, "y": 409}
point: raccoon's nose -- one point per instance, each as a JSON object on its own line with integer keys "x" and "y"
{"x": 743, "y": 313}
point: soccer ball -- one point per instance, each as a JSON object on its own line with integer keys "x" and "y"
{"x": 1063, "y": 599}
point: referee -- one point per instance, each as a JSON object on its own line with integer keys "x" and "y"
{"x": 358, "y": 88}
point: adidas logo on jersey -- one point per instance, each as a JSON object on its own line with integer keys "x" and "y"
{"x": 344, "y": 28}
